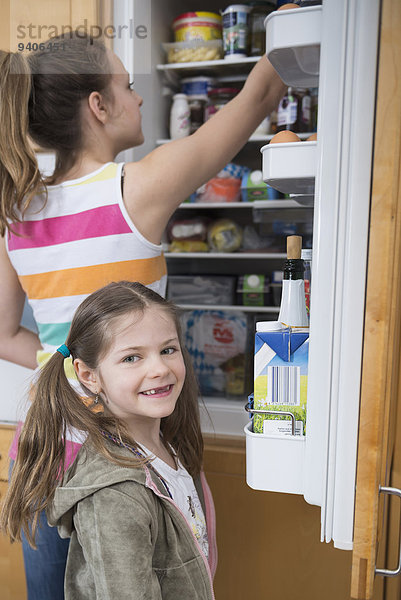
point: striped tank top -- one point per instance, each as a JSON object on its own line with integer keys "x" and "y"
{"x": 81, "y": 239}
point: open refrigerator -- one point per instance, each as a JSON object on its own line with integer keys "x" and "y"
{"x": 333, "y": 46}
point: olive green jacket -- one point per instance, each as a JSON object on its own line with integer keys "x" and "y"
{"x": 129, "y": 541}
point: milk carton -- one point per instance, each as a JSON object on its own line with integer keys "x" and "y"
{"x": 280, "y": 377}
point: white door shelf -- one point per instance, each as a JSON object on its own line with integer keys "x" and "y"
{"x": 257, "y": 204}
{"x": 231, "y": 308}
{"x": 260, "y": 139}
{"x": 228, "y": 255}
{"x": 293, "y": 44}
{"x": 274, "y": 463}
{"x": 291, "y": 167}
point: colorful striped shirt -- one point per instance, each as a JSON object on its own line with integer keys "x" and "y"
{"x": 79, "y": 240}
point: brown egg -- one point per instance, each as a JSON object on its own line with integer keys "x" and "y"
{"x": 312, "y": 138}
{"x": 288, "y": 6}
{"x": 283, "y": 137}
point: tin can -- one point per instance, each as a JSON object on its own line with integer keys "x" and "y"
{"x": 236, "y": 31}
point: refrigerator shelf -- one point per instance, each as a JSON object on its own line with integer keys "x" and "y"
{"x": 274, "y": 463}
{"x": 293, "y": 44}
{"x": 291, "y": 167}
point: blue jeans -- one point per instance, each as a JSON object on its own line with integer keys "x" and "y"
{"x": 45, "y": 566}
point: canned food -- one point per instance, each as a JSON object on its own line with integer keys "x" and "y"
{"x": 197, "y": 26}
{"x": 236, "y": 30}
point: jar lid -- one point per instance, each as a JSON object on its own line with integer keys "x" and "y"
{"x": 223, "y": 90}
{"x": 198, "y": 15}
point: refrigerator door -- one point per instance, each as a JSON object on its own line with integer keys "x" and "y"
{"x": 342, "y": 204}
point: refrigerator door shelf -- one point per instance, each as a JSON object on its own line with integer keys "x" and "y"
{"x": 274, "y": 463}
{"x": 291, "y": 167}
{"x": 293, "y": 44}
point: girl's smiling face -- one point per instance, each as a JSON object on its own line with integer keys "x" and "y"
{"x": 142, "y": 374}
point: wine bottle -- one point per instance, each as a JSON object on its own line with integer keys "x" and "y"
{"x": 293, "y": 309}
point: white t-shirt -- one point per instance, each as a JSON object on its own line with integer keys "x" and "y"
{"x": 182, "y": 488}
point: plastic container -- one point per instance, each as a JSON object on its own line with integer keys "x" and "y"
{"x": 179, "y": 117}
{"x": 236, "y": 31}
{"x": 196, "y": 86}
{"x": 274, "y": 463}
{"x": 197, "y": 51}
{"x": 201, "y": 289}
{"x": 293, "y": 44}
{"x": 291, "y": 167}
{"x": 201, "y": 26}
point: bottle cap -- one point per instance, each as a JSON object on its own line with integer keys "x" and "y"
{"x": 256, "y": 176}
{"x": 263, "y": 326}
{"x": 294, "y": 246}
{"x": 306, "y": 254}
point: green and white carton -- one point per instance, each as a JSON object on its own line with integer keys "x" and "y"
{"x": 280, "y": 377}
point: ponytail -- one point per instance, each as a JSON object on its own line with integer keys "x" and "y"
{"x": 20, "y": 178}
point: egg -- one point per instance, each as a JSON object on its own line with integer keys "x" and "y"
{"x": 312, "y": 138}
{"x": 288, "y": 6}
{"x": 283, "y": 137}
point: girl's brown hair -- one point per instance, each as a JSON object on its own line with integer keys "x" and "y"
{"x": 56, "y": 407}
{"x": 40, "y": 98}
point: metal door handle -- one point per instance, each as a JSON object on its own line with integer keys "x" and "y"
{"x": 389, "y": 572}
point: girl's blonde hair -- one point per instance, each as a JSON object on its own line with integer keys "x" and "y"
{"x": 40, "y": 99}
{"x": 56, "y": 408}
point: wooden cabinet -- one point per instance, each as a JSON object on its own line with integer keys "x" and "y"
{"x": 269, "y": 544}
{"x": 22, "y": 21}
{"x": 12, "y": 576}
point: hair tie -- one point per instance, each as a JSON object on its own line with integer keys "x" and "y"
{"x": 64, "y": 351}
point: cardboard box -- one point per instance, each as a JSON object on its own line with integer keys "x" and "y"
{"x": 280, "y": 377}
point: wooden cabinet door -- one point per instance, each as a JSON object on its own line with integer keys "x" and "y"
{"x": 12, "y": 576}
{"x": 382, "y": 332}
{"x": 22, "y": 21}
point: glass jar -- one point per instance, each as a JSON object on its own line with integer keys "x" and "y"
{"x": 259, "y": 12}
{"x": 219, "y": 97}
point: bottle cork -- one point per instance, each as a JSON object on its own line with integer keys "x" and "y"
{"x": 294, "y": 246}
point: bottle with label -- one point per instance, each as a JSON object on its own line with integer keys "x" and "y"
{"x": 287, "y": 112}
{"x": 306, "y": 255}
{"x": 179, "y": 117}
{"x": 293, "y": 308}
{"x": 304, "y": 111}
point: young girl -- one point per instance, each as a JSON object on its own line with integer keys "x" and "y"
{"x": 93, "y": 221}
{"x": 135, "y": 503}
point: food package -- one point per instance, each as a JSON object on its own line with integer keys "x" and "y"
{"x": 201, "y": 289}
{"x": 187, "y": 229}
{"x": 224, "y": 235}
{"x": 217, "y": 342}
{"x": 188, "y": 246}
{"x": 222, "y": 189}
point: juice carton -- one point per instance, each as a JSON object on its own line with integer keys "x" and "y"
{"x": 280, "y": 377}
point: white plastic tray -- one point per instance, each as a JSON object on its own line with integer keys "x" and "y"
{"x": 274, "y": 463}
{"x": 291, "y": 167}
{"x": 293, "y": 44}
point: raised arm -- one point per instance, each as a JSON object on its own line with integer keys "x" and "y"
{"x": 17, "y": 344}
{"x": 157, "y": 184}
